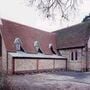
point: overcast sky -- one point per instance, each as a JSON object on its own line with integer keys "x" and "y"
{"x": 16, "y": 10}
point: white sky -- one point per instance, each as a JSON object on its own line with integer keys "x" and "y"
{"x": 17, "y": 11}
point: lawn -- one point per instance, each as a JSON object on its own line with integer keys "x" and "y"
{"x": 50, "y": 81}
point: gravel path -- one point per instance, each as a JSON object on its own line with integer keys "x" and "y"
{"x": 50, "y": 81}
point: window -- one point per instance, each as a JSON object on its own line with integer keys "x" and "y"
{"x": 72, "y": 56}
{"x": 37, "y": 47}
{"x": 18, "y": 44}
{"x": 76, "y": 55}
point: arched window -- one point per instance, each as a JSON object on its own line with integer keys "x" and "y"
{"x": 72, "y": 56}
{"x": 76, "y": 55}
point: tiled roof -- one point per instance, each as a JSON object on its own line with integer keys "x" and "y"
{"x": 28, "y": 35}
{"x": 74, "y": 36}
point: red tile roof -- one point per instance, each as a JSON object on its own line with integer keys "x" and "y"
{"x": 28, "y": 35}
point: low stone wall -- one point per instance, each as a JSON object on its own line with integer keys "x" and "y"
{"x": 24, "y": 64}
{"x": 60, "y": 64}
{"x": 45, "y": 64}
{"x": 28, "y": 65}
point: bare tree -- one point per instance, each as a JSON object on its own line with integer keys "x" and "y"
{"x": 49, "y": 7}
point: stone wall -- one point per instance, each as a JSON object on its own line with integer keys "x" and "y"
{"x": 4, "y": 57}
{"x": 27, "y": 65}
{"x": 45, "y": 64}
{"x": 22, "y": 65}
{"x": 76, "y": 65}
{"x": 89, "y": 59}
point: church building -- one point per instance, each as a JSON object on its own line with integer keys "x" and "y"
{"x": 25, "y": 49}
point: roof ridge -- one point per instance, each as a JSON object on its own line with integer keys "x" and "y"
{"x": 67, "y": 28}
{"x": 2, "y": 19}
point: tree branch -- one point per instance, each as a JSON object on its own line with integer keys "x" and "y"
{"x": 49, "y": 6}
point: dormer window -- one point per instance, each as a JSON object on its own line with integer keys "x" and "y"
{"x": 18, "y": 44}
{"x": 37, "y": 47}
{"x": 51, "y": 48}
